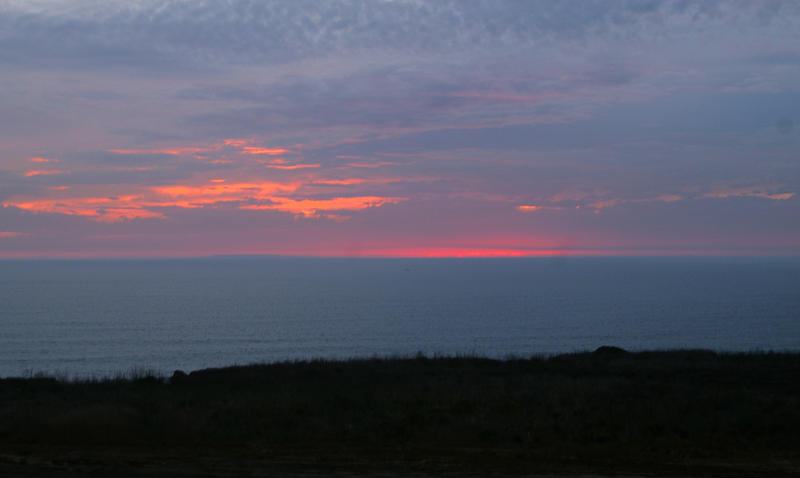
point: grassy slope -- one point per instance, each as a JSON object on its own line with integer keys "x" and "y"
{"x": 690, "y": 411}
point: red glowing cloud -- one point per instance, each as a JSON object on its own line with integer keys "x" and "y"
{"x": 226, "y": 191}
{"x": 41, "y": 172}
{"x": 8, "y": 234}
{"x": 149, "y": 203}
{"x": 267, "y": 151}
{"x": 531, "y": 208}
{"x": 245, "y": 146}
{"x": 292, "y": 166}
{"x": 311, "y": 207}
{"x": 170, "y": 151}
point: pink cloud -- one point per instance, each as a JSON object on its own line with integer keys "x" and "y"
{"x": 8, "y": 234}
{"x": 531, "y": 208}
{"x": 237, "y": 142}
{"x": 45, "y": 172}
{"x": 749, "y": 192}
{"x": 245, "y": 146}
{"x": 292, "y": 166}
{"x": 340, "y": 182}
{"x": 311, "y": 207}
{"x": 170, "y": 151}
{"x": 377, "y": 164}
{"x": 126, "y": 214}
{"x": 266, "y": 151}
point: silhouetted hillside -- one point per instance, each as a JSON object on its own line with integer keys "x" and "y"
{"x": 690, "y": 411}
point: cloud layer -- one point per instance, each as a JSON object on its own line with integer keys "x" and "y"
{"x": 398, "y": 127}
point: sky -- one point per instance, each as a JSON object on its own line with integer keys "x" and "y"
{"x": 399, "y": 128}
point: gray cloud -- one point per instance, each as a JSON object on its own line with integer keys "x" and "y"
{"x": 160, "y": 36}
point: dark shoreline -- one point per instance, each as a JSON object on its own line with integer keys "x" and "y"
{"x": 666, "y": 413}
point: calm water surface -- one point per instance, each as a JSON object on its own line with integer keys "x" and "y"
{"x": 101, "y": 317}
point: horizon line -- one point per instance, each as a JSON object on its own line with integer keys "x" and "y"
{"x": 429, "y": 254}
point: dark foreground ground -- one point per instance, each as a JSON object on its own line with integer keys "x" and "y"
{"x": 676, "y": 413}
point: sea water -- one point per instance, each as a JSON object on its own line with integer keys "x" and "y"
{"x": 82, "y": 318}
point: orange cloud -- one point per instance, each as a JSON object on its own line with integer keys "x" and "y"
{"x": 267, "y": 151}
{"x": 530, "y": 208}
{"x": 7, "y": 234}
{"x": 70, "y": 207}
{"x": 237, "y": 142}
{"x": 39, "y": 172}
{"x": 242, "y": 195}
{"x": 118, "y": 208}
{"x": 101, "y": 209}
{"x": 244, "y": 146}
{"x": 311, "y": 207}
{"x": 293, "y": 166}
{"x": 235, "y": 191}
{"x": 170, "y": 151}
{"x": 39, "y": 159}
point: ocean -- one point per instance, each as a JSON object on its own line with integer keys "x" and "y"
{"x": 97, "y": 318}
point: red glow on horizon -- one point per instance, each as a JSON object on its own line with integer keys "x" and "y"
{"x": 438, "y": 252}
